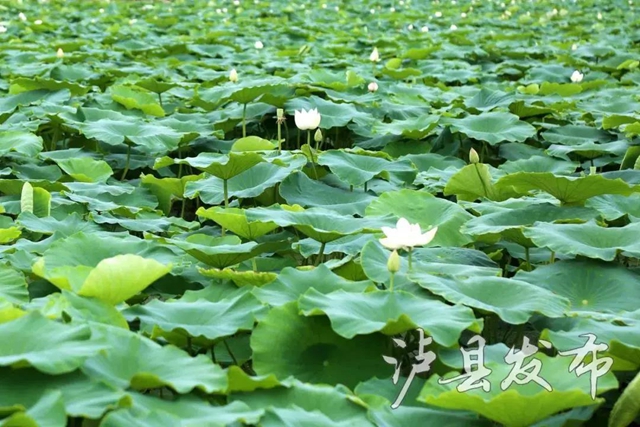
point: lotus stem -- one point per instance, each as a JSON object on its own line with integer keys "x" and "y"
{"x": 244, "y": 121}
{"x": 225, "y": 185}
{"x": 552, "y": 259}
{"x": 184, "y": 205}
{"x": 320, "y": 254}
{"x": 391, "y": 282}
{"x": 527, "y": 258}
{"x": 126, "y": 165}
{"x": 235, "y": 361}
{"x": 160, "y": 99}
{"x": 313, "y": 161}
{"x": 279, "y": 137}
{"x": 254, "y": 265}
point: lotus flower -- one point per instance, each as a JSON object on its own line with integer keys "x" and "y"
{"x": 258, "y": 45}
{"x": 3, "y": 29}
{"x": 233, "y": 75}
{"x": 375, "y": 56}
{"x": 424, "y": 29}
{"x": 22, "y": 16}
{"x": 406, "y": 235}
{"x": 307, "y": 120}
{"x": 60, "y": 53}
{"x": 373, "y": 86}
{"x": 577, "y": 76}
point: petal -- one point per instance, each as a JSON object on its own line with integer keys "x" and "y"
{"x": 427, "y": 237}
{"x": 388, "y": 231}
{"x": 390, "y": 243}
{"x": 403, "y": 225}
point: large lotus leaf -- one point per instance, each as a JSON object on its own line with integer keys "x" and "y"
{"x": 242, "y": 92}
{"x": 22, "y": 142}
{"x": 292, "y": 283}
{"x": 538, "y": 163}
{"x": 135, "y": 97}
{"x": 299, "y": 189}
{"x": 240, "y": 381}
{"x": 140, "y": 363}
{"x": 510, "y": 223}
{"x": 589, "y": 150}
{"x": 420, "y": 207}
{"x": 86, "y": 169}
{"x": 461, "y": 262}
{"x": 223, "y": 166}
{"x": 320, "y": 224}
{"x": 13, "y": 286}
{"x": 406, "y": 415}
{"x": 49, "y": 346}
{"x": 337, "y": 403}
{"x": 252, "y": 143}
{"x": 520, "y": 405}
{"x": 514, "y": 301}
{"x": 357, "y": 169}
{"x": 118, "y": 198}
{"x": 82, "y": 396}
{"x": 487, "y": 99}
{"x": 391, "y": 313}
{"x": 235, "y": 220}
{"x": 64, "y": 305}
{"x": 154, "y": 138}
{"x": 612, "y": 206}
{"x": 589, "y": 239}
{"x": 240, "y": 278}
{"x": 49, "y": 411}
{"x": 627, "y": 407}
{"x": 572, "y": 135}
{"x": 210, "y": 320}
{"x": 350, "y": 245}
{"x": 414, "y": 128}
{"x": 167, "y": 190}
{"x": 623, "y": 340}
{"x": 317, "y": 354}
{"x": 185, "y": 411}
{"x": 569, "y": 190}
{"x": 218, "y": 252}
{"x": 10, "y": 103}
{"x": 251, "y": 183}
{"x": 474, "y": 182}
{"x": 21, "y": 85}
{"x": 494, "y": 127}
{"x": 593, "y": 288}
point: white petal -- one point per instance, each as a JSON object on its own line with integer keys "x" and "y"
{"x": 391, "y": 243}
{"x": 427, "y": 237}
{"x": 388, "y": 231}
{"x": 403, "y": 225}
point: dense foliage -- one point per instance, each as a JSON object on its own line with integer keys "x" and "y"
{"x": 174, "y": 251}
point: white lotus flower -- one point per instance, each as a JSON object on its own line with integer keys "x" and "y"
{"x": 3, "y": 29}
{"x": 424, "y": 29}
{"x": 38, "y": 22}
{"x": 258, "y": 45}
{"x": 60, "y": 53}
{"x": 307, "y": 120}
{"x": 375, "y": 56}
{"x": 406, "y": 235}
{"x": 574, "y": 46}
{"x": 453, "y": 27}
{"x": 438, "y": 14}
{"x": 577, "y": 76}
{"x": 373, "y": 87}
{"x": 22, "y": 16}
{"x": 233, "y": 75}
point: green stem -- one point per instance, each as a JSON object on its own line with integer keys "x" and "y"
{"x": 365, "y": 187}
{"x": 526, "y": 256}
{"x": 320, "y": 254}
{"x": 126, "y": 165}
{"x": 553, "y": 257}
{"x": 279, "y": 138}
{"x": 254, "y": 264}
{"x": 184, "y": 205}
{"x": 160, "y": 99}
{"x": 391, "y": 282}
{"x": 225, "y": 185}
{"x": 244, "y": 121}
{"x": 313, "y": 161}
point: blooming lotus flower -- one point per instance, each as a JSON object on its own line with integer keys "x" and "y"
{"x": 406, "y": 235}
{"x": 424, "y": 29}
{"x": 373, "y": 86}
{"x": 258, "y": 45}
{"x": 233, "y": 75}
{"x": 3, "y": 29}
{"x": 574, "y": 46}
{"x": 22, "y": 16}
{"x": 375, "y": 56}
{"x": 577, "y": 76}
{"x": 307, "y": 120}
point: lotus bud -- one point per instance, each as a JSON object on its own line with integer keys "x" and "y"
{"x": 280, "y": 113}
{"x": 258, "y": 45}
{"x": 22, "y": 16}
{"x": 375, "y": 56}
{"x": 473, "y": 156}
{"x": 233, "y": 75}
{"x": 373, "y": 87}
{"x": 60, "y": 53}
{"x": 577, "y": 76}
{"x": 317, "y": 137}
{"x": 393, "y": 264}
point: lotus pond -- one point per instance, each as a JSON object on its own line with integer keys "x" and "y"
{"x": 278, "y": 213}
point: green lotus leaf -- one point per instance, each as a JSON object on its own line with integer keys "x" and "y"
{"x": 149, "y": 411}
{"x": 82, "y": 396}
{"x": 588, "y": 239}
{"x": 223, "y": 166}
{"x": 520, "y": 405}
{"x": 414, "y": 128}
{"x": 572, "y": 135}
{"x": 167, "y": 190}
{"x": 218, "y": 252}
{"x": 235, "y": 220}
{"x": 627, "y": 408}
{"x": 21, "y": 85}
{"x": 494, "y": 127}
{"x": 48, "y": 411}
{"x": 21, "y": 142}
{"x": 292, "y": 283}
{"x": 338, "y": 403}
{"x": 47, "y": 345}
{"x": 509, "y": 224}
{"x": 9, "y": 311}
{"x": 355, "y": 169}
{"x": 514, "y": 301}
{"x": 240, "y": 278}
{"x": 420, "y": 207}
{"x": 116, "y": 198}
{"x": 391, "y": 313}
{"x": 239, "y": 381}
{"x": 13, "y": 286}
{"x": 9, "y": 103}
{"x": 537, "y": 163}
{"x": 299, "y": 189}
{"x": 252, "y": 143}
{"x": 474, "y": 182}
{"x": 322, "y": 356}
{"x": 333, "y": 114}
{"x": 154, "y": 138}
{"x": 207, "y": 319}
{"x": 581, "y": 282}
{"x": 612, "y": 206}
{"x": 589, "y": 150}
{"x": 569, "y": 190}
{"x": 140, "y": 363}
{"x": 86, "y": 169}
{"x": 487, "y": 100}
{"x": 138, "y": 98}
